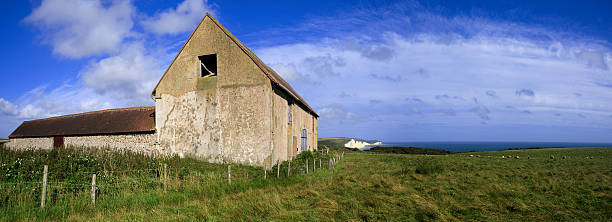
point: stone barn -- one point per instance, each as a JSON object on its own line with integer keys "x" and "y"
{"x": 217, "y": 101}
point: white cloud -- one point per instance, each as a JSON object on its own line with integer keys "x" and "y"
{"x": 494, "y": 68}
{"x": 128, "y": 76}
{"x": 42, "y": 102}
{"x": 77, "y": 29}
{"x": 287, "y": 71}
{"x": 8, "y": 108}
{"x": 183, "y": 18}
{"x": 337, "y": 112}
{"x": 130, "y": 62}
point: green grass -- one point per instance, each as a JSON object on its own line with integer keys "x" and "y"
{"x": 333, "y": 141}
{"x": 363, "y": 186}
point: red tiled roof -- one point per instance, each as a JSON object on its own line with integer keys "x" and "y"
{"x": 110, "y": 121}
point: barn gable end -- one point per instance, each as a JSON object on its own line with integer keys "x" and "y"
{"x": 221, "y": 118}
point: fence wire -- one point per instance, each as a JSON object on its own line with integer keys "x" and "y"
{"x": 176, "y": 177}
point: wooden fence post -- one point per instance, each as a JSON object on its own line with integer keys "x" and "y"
{"x": 288, "y": 167}
{"x": 306, "y": 166}
{"x": 165, "y": 177}
{"x": 93, "y": 189}
{"x": 265, "y": 172}
{"x": 320, "y": 164}
{"x": 278, "y": 169}
{"x": 314, "y": 164}
{"x": 44, "y": 188}
{"x": 229, "y": 174}
{"x": 329, "y": 164}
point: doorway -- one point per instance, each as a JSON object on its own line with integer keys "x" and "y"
{"x": 58, "y": 141}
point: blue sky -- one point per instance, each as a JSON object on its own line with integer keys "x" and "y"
{"x": 393, "y": 71}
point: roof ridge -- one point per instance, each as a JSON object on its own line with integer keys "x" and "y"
{"x": 267, "y": 70}
{"x": 92, "y": 112}
{"x": 179, "y": 52}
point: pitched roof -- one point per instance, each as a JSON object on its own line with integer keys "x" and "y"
{"x": 110, "y": 121}
{"x": 269, "y": 72}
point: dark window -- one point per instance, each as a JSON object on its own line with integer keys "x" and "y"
{"x": 208, "y": 65}
{"x": 58, "y": 141}
{"x": 304, "y": 140}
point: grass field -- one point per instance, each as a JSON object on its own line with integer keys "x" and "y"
{"x": 363, "y": 186}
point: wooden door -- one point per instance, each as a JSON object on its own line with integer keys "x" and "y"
{"x": 58, "y": 141}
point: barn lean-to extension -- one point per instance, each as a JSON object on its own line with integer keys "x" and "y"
{"x": 217, "y": 101}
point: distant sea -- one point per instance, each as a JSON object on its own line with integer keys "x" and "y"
{"x": 489, "y": 146}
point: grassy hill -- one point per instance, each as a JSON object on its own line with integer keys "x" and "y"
{"x": 333, "y": 141}
{"x": 363, "y": 186}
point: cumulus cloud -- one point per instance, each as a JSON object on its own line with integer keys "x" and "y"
{"x": 125, "y": 72}
{"x": 373, "y": 52}
{"x": 128, "y": 76}
{"x": 43, "y": 102}
{"x": 183, "y": 18}
{"x": 336, "y": 112}
{"x": 323, "y": 65}
{"x": 77, "y": 29}
{"x": 287, "y": 71}
{"x": 8, "y": 108}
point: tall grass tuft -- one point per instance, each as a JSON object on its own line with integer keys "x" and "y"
{"x": 429, "y": 166}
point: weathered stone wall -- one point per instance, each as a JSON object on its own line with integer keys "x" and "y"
{"x": 315, "y": 137}
{"x": 225, "y": 118}
{"x": 133, "y": 142}
{"x": 303, "y": 120}
{"x": 188, "y": 125}
{"x": 30, "y": 143}
{"x": 246, "y": 123}
{"x": 234, "y": 66}
{"x": 280, "y": 132}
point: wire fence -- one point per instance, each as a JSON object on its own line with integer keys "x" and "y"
{"x": 52, "y": 187}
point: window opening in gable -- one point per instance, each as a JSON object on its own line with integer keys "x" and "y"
{"x": 208, "y": 65}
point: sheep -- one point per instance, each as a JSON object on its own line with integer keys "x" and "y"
{"x": 517, "y": 157}
{"x": 552, "y": 157}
